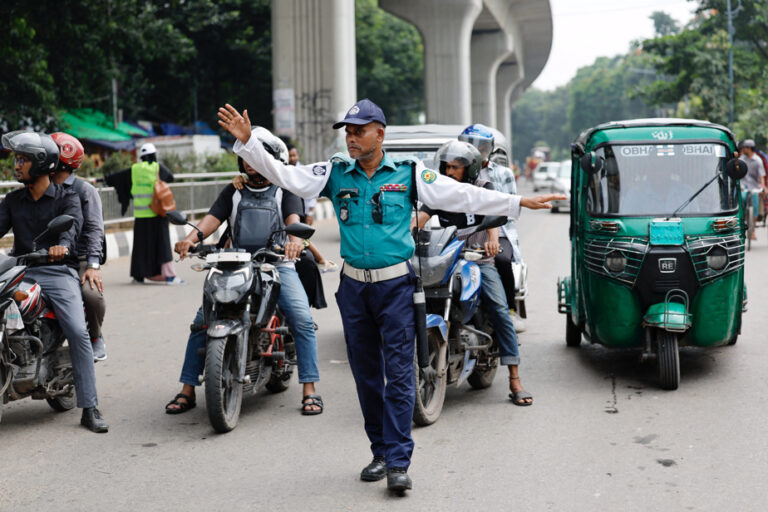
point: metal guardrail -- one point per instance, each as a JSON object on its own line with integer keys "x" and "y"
{"x": 194, "y": 193}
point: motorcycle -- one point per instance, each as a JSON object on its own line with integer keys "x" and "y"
{"x": 460, "y": 339}
{"x": 34, "y": 362}
{"x": 249, "y": 347}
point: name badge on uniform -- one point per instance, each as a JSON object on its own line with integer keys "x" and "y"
{"x": 394, "y": 187}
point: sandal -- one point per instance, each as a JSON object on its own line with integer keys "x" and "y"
{"x": 519, "y": 397}
{"x": 188, "y": 404}
{"x": 311, "y": 400}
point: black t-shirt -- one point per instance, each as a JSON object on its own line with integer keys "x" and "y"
{"x": 224, "y": 207}
{"x": 460, "y": 220}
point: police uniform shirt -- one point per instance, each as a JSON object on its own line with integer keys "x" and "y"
{"x": 225, "y": 206}
{"x": 366, "y": 241}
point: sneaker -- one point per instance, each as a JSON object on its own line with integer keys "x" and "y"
{"x": 517, "y": 321}
{"x": 175, "y": 280}
{"x": 328, "y": 266}
{"x": 99, "y": 349}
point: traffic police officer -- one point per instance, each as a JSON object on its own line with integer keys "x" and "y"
{"x": 372, "y": 196}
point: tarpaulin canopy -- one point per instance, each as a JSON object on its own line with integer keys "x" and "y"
{"x": 87, "y": 123}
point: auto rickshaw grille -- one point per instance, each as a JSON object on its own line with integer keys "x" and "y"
{"x": 698, "y": 247}
{"x": 633, "y": 249}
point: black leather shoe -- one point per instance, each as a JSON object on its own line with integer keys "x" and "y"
{"x": 398, "y": 480}
{"x": 374, "y": 471}
{"x": 92, "y": 420}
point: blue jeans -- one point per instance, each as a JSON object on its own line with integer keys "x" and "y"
{"x": 495, "y": 304}
{"x": 294, "y": 305}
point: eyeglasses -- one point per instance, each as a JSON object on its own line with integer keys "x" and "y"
{"x": 21, "y": 160}
{"x": 376, "y": 212}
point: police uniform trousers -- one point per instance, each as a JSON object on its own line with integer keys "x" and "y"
{"x": 379, "y": 329}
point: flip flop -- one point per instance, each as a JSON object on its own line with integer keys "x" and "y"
{"x": 518, "y": 398}
{"x": 190, "y": 403}
{"x": 309, "y": 401}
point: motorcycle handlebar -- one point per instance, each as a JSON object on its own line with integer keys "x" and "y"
{"x": 38, "y": 257}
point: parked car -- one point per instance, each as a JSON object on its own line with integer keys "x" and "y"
{"x": 544, "y": 174}
{"x": 562, "y": 185}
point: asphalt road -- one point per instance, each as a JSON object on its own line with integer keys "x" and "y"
{"x": 600, "y": 436}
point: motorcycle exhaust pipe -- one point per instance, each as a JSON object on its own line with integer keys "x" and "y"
{"x": 420, "y": 311}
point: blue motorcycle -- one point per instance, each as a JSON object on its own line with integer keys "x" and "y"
{"x": 459, "y": 334}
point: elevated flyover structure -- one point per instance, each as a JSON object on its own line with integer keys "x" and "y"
{"x": 479, "y": 55}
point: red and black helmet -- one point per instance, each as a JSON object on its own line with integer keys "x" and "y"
{"x": 71, "y": 152}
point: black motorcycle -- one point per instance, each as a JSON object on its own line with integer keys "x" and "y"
{"x": 249, "y": 346}
{"x": 33, "y": 359}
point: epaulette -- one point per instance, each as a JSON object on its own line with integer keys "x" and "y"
{"x": 342, "y": 158}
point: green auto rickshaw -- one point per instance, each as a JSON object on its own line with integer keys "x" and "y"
{"x": 657, "y": 239}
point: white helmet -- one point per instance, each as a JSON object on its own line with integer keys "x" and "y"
{"x": 273, "y": 144}
{"x": 147, "y": 149}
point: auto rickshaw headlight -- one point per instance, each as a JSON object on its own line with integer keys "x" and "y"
{"x": 717, "y": 258}
{"x": 615, "y": 261}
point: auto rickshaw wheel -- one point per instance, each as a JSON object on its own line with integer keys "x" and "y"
{"x": 572, "y": 332}
{"x": 668, "y": 357}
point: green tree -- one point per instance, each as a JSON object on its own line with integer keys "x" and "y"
{"x": 664, "y": 24}
{"x": 390, "y": 63}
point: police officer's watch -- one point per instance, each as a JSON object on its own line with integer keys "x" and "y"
{"x": 94, "y": 266}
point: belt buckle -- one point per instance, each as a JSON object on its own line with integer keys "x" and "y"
{"x": 367, "y": 275}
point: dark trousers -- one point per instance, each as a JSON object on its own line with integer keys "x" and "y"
{"x": 503, "y": 262}
{"x": 379, "y": 330}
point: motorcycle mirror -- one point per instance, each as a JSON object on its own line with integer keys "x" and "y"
{"x": 176, "y": 218}
{"x": 736, "y": 168}
{"x": 57, "y": 226}
{"x": 300, "y": 230}
{"x": 592, "y": 163}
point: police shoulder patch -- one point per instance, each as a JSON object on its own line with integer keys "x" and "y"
{"x": 319, "y": 170}
{"x": 428, "y": 176}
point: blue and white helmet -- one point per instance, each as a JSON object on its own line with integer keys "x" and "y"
{"x": 479, "y": 136}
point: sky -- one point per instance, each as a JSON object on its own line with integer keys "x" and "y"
{"x": 586, "y": 29}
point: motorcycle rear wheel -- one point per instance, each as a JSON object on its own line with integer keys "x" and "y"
{"x": 430, "y": 388}
{"x": 223, "y": 393}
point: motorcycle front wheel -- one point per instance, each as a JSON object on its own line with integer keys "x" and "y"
{"x": 62, "y": 403}
{"x": 431, "y": 383}
{"x": 223, "y": 391}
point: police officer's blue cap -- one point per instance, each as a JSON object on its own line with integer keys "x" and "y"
{"x": 363, "y": 112}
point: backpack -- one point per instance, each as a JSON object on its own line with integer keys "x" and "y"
{"x": 257, "y": 217}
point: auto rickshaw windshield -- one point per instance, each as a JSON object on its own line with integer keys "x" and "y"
{"x": 655, "y": 180}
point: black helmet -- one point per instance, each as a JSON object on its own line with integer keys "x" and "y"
{"x": 274, "y": 145}
{"x": 463, "y": 152}
{"x": 40, "y": 148}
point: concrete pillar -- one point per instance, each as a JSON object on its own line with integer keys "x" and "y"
{"x": 445, "y": 27}
{"x": 489, "y": 48}
{"x": 508, "y": 76}
{"x": 314, "y": 72}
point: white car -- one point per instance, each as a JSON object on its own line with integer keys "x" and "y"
{"x": 562, "y": 185}
{"x": 544, "y": 174}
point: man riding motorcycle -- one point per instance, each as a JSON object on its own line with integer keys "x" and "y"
{"x": 503, "y": 179}
{"x": 462, "y": 162}
{"x": 27, "y": 211}
{"x": 251, "y": 232}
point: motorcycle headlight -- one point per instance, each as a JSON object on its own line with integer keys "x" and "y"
{"x": 615, "y": 261}
{"x": 227, "y": 287}
{"x": 717, "y": 258}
